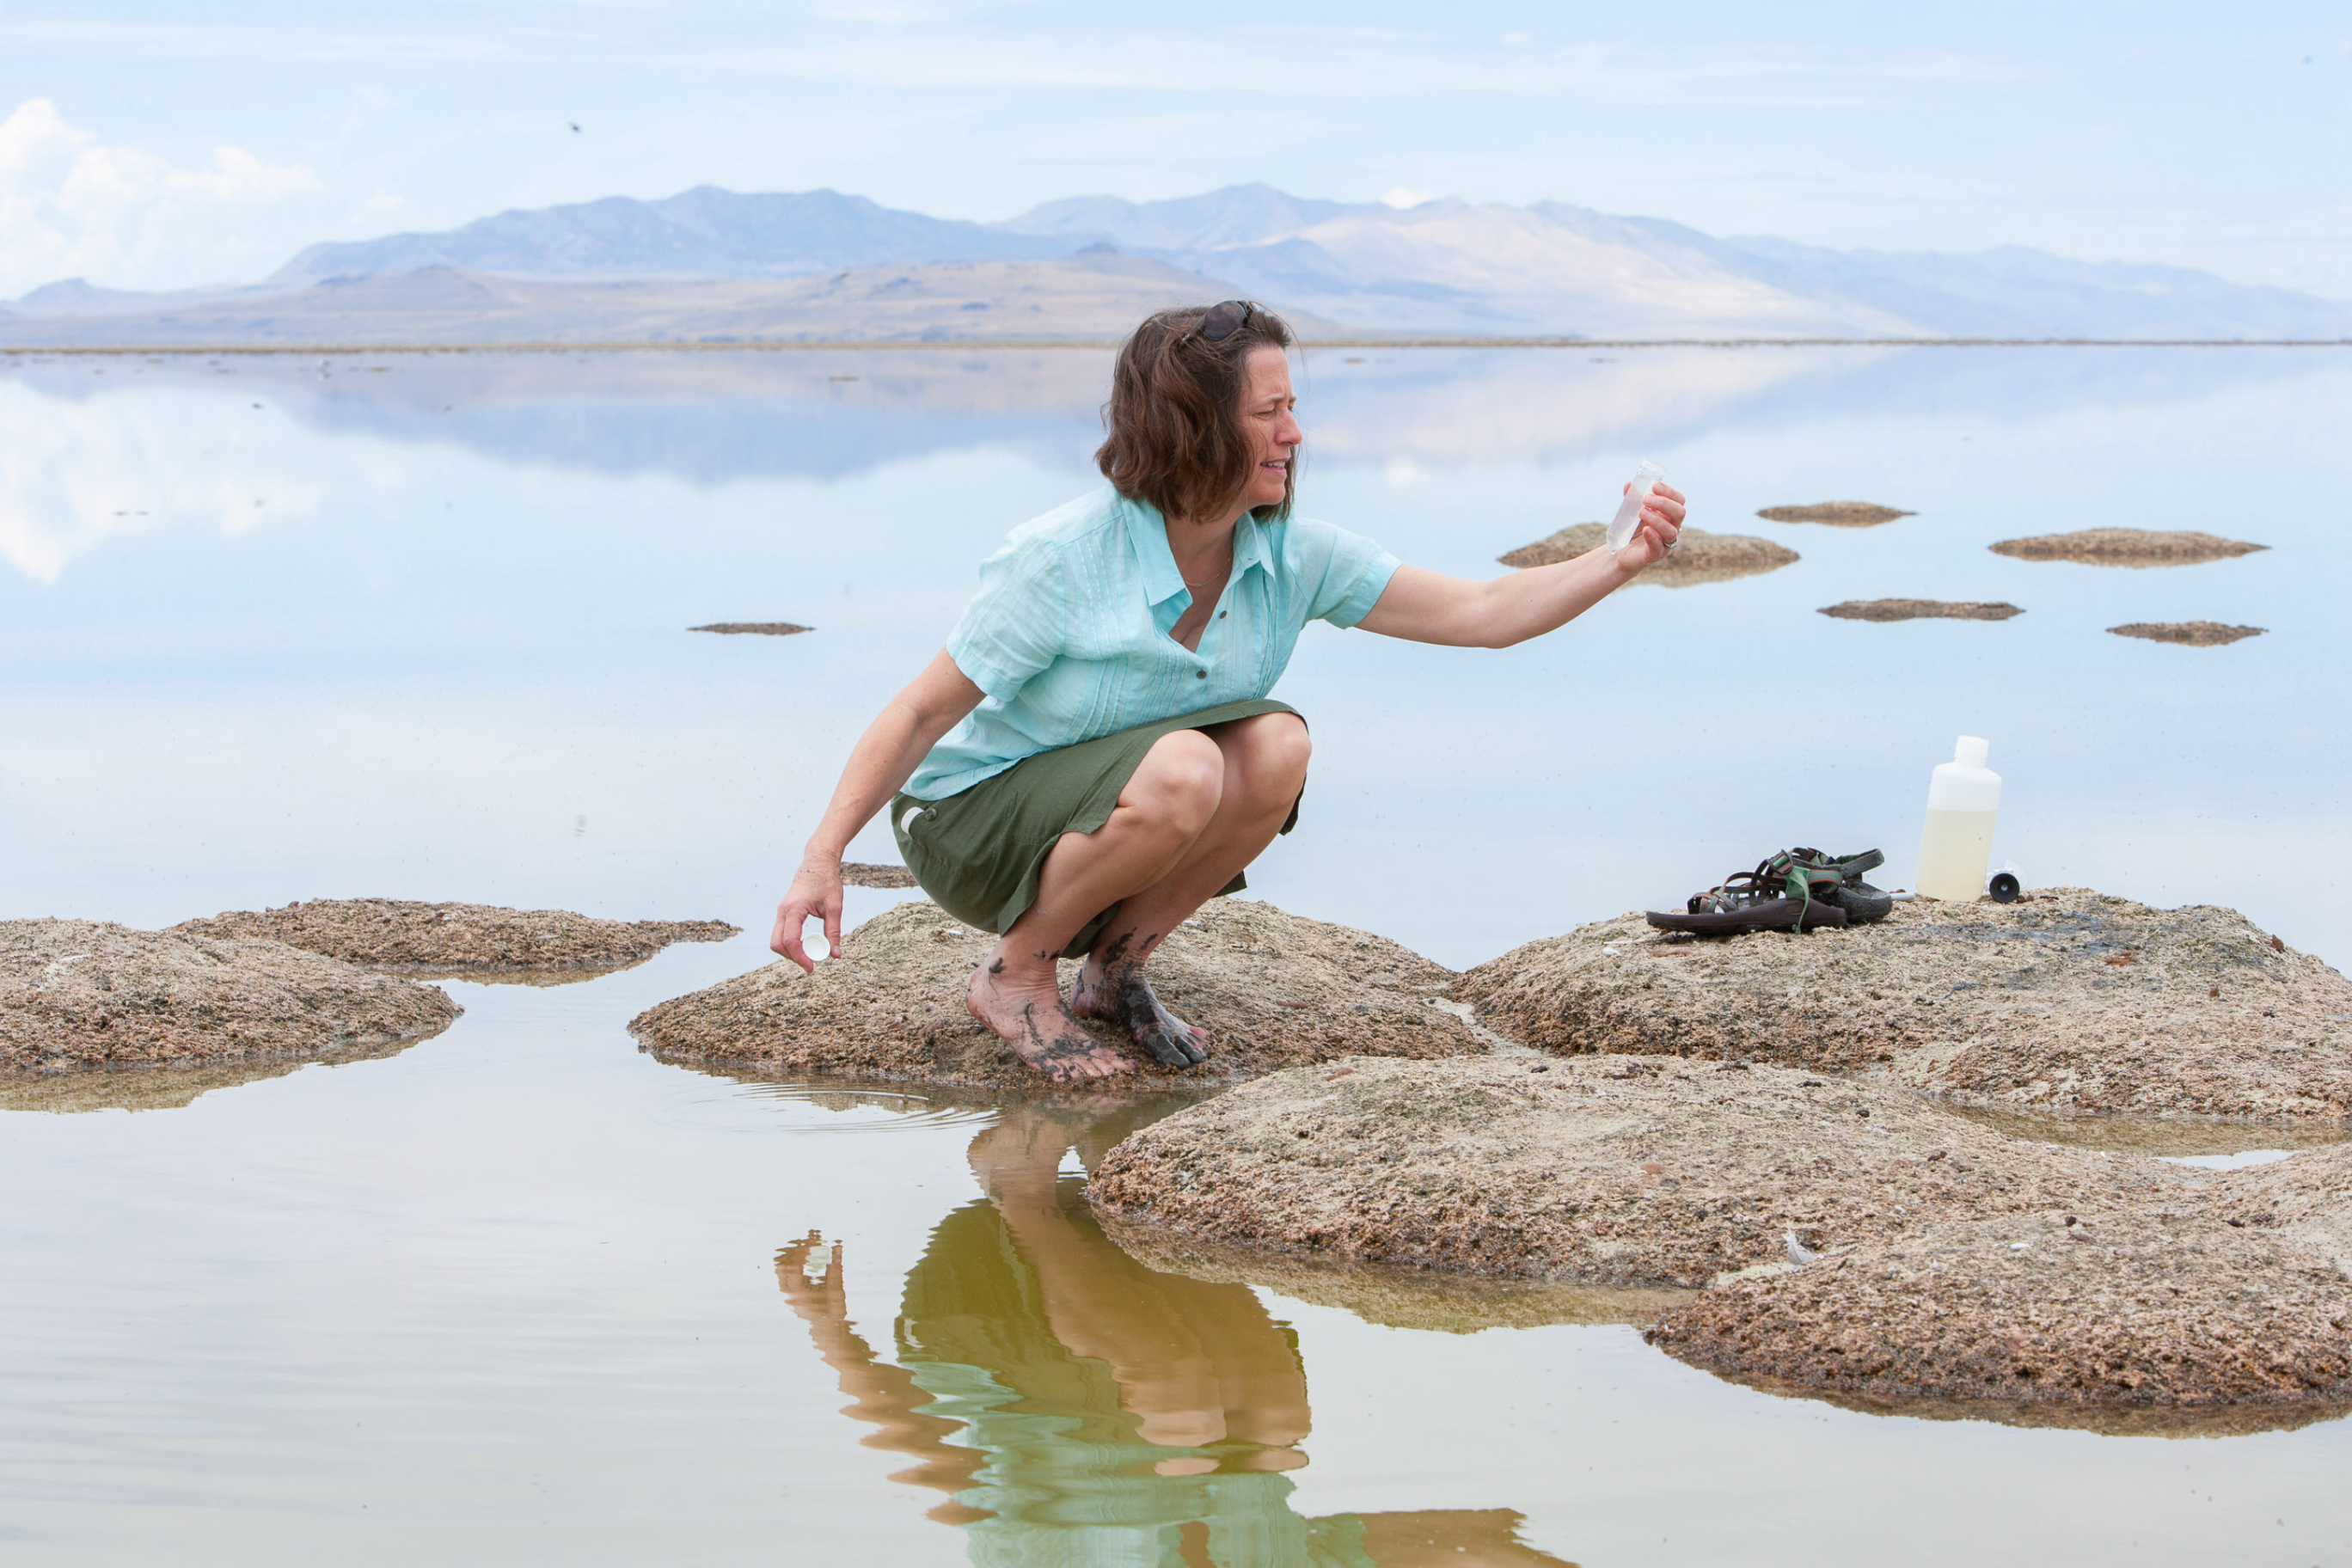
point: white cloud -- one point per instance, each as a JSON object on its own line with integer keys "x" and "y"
{"x": 1401, "y": 198}
{"x": 78, "y": 473}
{"x": 72, "y": 208}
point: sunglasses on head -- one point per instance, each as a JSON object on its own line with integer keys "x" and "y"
{"x": 1219, "y": 323}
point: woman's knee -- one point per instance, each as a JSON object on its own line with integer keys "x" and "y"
{"x": 1178, "y": 784}
{"x": 1268, "y": 757}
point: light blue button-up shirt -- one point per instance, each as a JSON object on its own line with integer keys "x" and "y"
{"x": 1068, "y": 633}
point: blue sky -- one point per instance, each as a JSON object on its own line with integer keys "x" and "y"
{"x": 156, "y": 145}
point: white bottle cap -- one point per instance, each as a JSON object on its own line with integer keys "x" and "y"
{"x": 1970, "y": 752}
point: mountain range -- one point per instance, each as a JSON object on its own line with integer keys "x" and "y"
{"x": 714, "y": 265}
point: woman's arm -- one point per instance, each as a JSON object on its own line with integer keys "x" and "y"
{"x": 1427, "y": 607}
{"x": 883, "y": 760}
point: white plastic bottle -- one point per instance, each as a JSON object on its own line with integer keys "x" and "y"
{"x": 1629, "y": 511}
{"x": 1957, "y": 844}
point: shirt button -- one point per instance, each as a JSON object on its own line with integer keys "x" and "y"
{"x": 1220, "y": 614}
{"x": 1200, "y": 675}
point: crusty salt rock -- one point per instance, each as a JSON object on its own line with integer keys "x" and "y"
{"x": 2161, "y": 1319}
{"x": 1273, "y": 990}
{"x": 1836, "y": 513}
{"x": 455, "y": 939}
{"x": 1644, "y": 1170}
{"x": 2125, "y": 547}
{"x": 1921, "y": 610}
{"x": 1393, "y": 1296}
{"x": 868, "y": 874}
{"x": 2305, "y": 1198}
{"x": 2187, "y": 634}
{"x": 2069, "y": 1000}
{"x": 87, "y": 993}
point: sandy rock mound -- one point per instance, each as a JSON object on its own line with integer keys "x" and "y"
{"x": 1920, "y": 610}
{"x": 1395, "y": 1296}
{"x": 2125, "y": 547}
{"x": 1625, "y": 1170}
{"x": 1274, "y": 990}
{"x": 87, "y": 993}
{"x": 2305, "y": 1199}
{"x": 1698, "y": 557}
{"x": 1836, "y": 513}
{"x": 2068, "y": 1001}
{"x": 2130, "y": 1321}
{"x": 869, "y": 874}
{"x": 455, "y": 939}
{"x": 2188, "y": 634}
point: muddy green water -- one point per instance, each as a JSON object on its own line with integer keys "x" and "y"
{"x": 520, "y": 1294}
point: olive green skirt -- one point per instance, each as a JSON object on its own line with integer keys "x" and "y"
{"x": 978, "y": 853}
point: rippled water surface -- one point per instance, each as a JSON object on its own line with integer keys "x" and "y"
{"x": 414, "y": 626}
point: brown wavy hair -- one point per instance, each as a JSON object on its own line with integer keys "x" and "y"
{"x": 1177, "y": 439}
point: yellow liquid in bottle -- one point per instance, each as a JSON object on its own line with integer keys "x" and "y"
{"x": 1954, "y": 851}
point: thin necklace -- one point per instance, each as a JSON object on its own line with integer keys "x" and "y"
{"x": 1196, "y": 587}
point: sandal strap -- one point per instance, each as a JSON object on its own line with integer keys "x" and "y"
{"x": 1805, "y": 875}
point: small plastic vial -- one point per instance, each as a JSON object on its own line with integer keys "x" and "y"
{"x": 1955, "y": 845}
{"x": 1629, "y": 511}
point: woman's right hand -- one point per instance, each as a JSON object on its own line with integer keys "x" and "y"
{"x": 815, "y": 895}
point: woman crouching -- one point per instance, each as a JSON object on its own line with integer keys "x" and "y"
{"x": 1094, "y": 754}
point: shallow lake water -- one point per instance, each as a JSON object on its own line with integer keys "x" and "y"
{"x": 414, "y": 626}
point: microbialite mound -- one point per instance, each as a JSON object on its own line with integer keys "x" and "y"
{"x": 2188, "y": 634}
{"x": 1836, "y": 513}
{"x": 2307, "y": 1199}
{"x": 1698, "y": 557}
{"x": 2162, "y": 1320}
{"x": 1920, "y": 610}
{"x": 89, "y": 993}
{"x": 1641, "y": 1170}
{"x": 2125, "y": 547}
{"x": 458, "y": 939}
{"x": 1274, "y": 990}
{"x": 1938, "y": 1267}
{"x": 2068, "y": 1000}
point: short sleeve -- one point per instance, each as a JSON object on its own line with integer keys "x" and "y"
{"x": 1014, "y": 626}
{"x": 1340, "y": 575}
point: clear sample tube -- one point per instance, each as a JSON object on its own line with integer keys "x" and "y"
{"x": 1629, "y": 511}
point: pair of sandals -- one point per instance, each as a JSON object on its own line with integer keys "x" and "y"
{"x": 1797, "y": 890}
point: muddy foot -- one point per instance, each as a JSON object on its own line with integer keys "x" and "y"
{"x": 1038, "y": 1027}
{"x": 1129, "y": 1001}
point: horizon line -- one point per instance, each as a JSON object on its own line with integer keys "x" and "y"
{"x": 966, "y": 345}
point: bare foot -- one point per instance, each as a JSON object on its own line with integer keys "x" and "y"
{"x": 1117, "y": 994}
{"x": 1027, "y": 1014}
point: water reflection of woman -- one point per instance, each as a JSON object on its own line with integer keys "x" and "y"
{"x": 1078, "y": 1408}
{"x": 1094, "y": 754}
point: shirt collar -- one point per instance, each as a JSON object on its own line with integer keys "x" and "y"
{"x": 1250, "y": 548}
{"x": 1148, "y": 532}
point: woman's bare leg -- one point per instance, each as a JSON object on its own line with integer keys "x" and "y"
{"x": 1197, "y": 1364}
{"x": 1169, "y": 803}
{"x": 1264, "y": 759}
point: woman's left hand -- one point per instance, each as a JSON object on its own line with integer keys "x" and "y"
{"x": 1654, "y": 537}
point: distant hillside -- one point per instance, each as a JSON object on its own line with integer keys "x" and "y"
{"x": 1447, "y": 266}
{"x": 1100, "y": 295}
{"x": 713, "y": 264}
{"x": 702, "y": 233}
